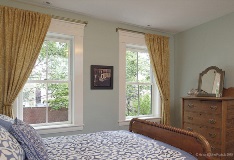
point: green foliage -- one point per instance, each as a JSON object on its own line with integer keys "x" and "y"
{"x": 145, "y": 105}
{"x": 59, "y": 96}
{"x": 131, "y": 66}
{"x": 131, "y": 100}
{"x": 138, "y": 97}
{"x": 52, "y": 64}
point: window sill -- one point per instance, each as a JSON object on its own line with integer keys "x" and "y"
{"x": 57, "y": 128}
{"x": 152, "y": 119}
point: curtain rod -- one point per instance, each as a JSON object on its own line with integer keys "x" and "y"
{"x": 70, "y": 19}
{"x": 122, "y": 29}
{"x": 128, "y": 30}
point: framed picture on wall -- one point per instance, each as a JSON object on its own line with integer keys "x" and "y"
{"x": 101, "y": 77}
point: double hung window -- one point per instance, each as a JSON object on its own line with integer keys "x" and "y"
{"x": 47, "y": 94}
{"x": 139, "y": 95}
{"x": 52, "y": 98}
{"x": 139, "y": 83}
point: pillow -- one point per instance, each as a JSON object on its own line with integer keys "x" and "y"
{"x": 9, "y": 147}
{"x": 6, "y": 121}
{"x": 29, "y": 140}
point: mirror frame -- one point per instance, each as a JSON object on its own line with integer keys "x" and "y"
{"x": 221, "y": 72}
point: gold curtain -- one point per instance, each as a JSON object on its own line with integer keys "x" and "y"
{"x": 158, "y": 47}
{"x": 22, "y": 34}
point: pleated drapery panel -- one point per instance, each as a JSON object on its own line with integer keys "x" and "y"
{"x": 22, "y": 34}
{"x": 158, "y": 48}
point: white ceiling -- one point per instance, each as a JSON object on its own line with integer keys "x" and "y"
{"x": 171, "y": 16}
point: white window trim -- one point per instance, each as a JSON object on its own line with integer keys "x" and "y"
{"x": 131, "y": 39}
{"x": 75, "y": 30}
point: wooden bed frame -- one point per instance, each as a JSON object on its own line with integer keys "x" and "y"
{"x": 190, "y": 142}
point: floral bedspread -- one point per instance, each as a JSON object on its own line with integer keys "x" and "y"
{"x": 111, "y": 145}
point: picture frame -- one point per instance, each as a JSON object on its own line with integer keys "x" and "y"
{"x": 101, "y": 77}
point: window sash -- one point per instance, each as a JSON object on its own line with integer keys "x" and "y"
{"x": 139, "y": 83}
{"x": 48, "y": 81}
{"x": 64, "y": 39}
{"x": 137, "y": 50}
{"x": 139, "y": 105}
{"x": 134, "y": 42}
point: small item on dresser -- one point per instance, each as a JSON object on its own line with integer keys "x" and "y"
{"x": 193, "y": 92}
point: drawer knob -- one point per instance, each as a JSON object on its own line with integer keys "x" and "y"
{"x": 212, "y": 135}
{"x": 213, "y": 107}
{"x": 190, "y": 105}
{"x": 190, "y": 118}
{"x": 189, "y": 128}
{"x": 212, "y": 121}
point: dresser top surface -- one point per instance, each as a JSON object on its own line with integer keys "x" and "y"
{"x": 208, "y": 98}
{"x": 228, "y": 94}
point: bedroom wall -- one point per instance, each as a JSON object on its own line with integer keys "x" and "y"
{"x": 101, "y": 48}
{"x": 206, "y": 45}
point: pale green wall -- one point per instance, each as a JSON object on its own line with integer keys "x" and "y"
{"x": 206, "y": 45}
{"x": 100, "y": 48}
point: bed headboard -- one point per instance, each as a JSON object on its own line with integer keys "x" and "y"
{"x": 190, "y": 142}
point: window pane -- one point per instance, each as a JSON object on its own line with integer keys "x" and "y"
{"x": 53, "y": 58}
{"x": 39, "y": 69}
{"x": 131, "y": 66}
{"x": 145, "y": 100}
{"x": 132, "y": 100}
{"x": 143, "y": 67}
{"x": 57, "y": 60}
{"x": 58, "y": 101}
{"x": 34, "y": 95}
{"x": 34, "y": 103}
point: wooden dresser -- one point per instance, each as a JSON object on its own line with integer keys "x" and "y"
{"x": 214, "y": 119}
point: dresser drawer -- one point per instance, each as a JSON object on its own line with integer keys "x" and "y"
{"x": 230, "y": 135}
{"x": 203, "y": 106}
{"x": 215, "y": 147}
{"x": 210, "y": 120}
{"x": 211, "y": 134}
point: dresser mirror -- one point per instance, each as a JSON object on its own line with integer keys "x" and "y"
{"x": 210, "y": 82}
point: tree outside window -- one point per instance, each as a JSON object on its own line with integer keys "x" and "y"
{"x": 138, "y": 84}
{"x": 48, "y": 84}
